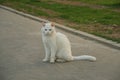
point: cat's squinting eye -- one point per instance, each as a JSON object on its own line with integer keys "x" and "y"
{"x": 50, "y": 29}
{"x": 45, "y": 29}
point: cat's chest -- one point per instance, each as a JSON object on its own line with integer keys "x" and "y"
{"x": 47, "y": 40}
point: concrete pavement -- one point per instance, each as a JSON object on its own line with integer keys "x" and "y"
{"x": 21, "y": 54}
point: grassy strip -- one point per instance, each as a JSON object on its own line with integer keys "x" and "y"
{"x": 81, "y": 14}
{"x": 73, "y": 15}
{"x": 77, "y": 14}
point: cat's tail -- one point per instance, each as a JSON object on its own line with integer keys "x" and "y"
{"x": 84, "y": 57}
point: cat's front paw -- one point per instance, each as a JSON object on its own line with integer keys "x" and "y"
{"x": 52, "y": 61}
{"x": 45, "y": 60}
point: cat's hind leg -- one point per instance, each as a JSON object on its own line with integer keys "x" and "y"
{"x": 68, "y": 59}
{"x": 60, "y": 60}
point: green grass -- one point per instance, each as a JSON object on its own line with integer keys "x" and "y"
{"x": 73, "y": 14}
{"x": 81, "y": 14}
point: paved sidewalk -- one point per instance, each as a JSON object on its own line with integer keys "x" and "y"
{"x": 21, "y": 54}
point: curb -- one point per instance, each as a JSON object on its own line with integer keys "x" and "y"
{"x": 70, "y": 30}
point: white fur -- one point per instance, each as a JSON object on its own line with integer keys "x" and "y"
{"x": 57, "y": 46}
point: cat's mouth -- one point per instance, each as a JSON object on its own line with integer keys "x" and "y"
{"x": 48, "y": 33}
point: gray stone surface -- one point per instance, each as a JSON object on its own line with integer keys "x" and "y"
{"x": 21, "y": 54}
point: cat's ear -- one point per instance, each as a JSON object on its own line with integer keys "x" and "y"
{"x": 43, "y": 24}
{"x": 52, "y": 24}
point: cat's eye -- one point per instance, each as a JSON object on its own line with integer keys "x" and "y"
{"x": 50, "y": 29}
{"x": 45, "y": 29}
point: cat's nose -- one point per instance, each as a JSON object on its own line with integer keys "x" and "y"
{"x": 47, "y": 33}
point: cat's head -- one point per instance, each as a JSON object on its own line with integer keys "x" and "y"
{"x": 48, "y": 28}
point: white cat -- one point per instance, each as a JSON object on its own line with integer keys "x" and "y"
{"x": 57, "y": 46}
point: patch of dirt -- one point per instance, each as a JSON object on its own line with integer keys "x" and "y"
{"x": 78, "y": 3}
{"x": 51, "y": 12}
{"x": 60, "y": 21}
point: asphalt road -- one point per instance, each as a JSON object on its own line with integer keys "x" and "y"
{"x": 21, "y": 54}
